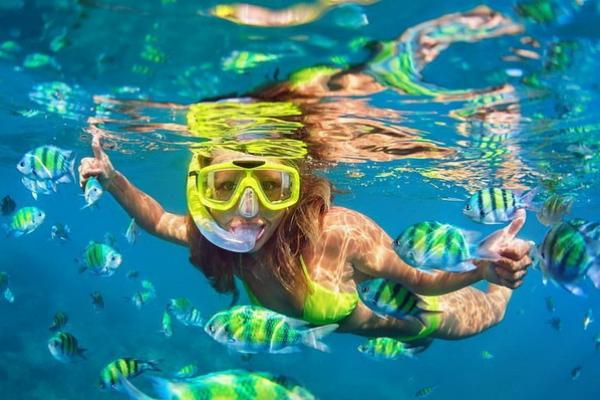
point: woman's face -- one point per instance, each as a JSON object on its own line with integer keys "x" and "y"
{"x": 248, "y": 212}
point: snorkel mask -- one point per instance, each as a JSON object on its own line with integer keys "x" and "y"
{"x": 240, "y": 184}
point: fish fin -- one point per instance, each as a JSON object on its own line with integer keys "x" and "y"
{"x": 286, "y": 350}
{"x": 134, "y": 393}
{"x": 8, "y": 295}
{"x": 84, "y": 207}
{"x": 162, "y": 387}
{"x": 296, "y": 323}
{"x": 470, "y": 236}
{"x": 81, "y": 353}
{"x": 34, "y": 195}
{"x": 71, "y": 165}
{"x": 593, "y": 273}
{"x": 464, "y": 266}
{"x": 311, "y": 337}
{"x": 574, "y": 289}
{"x": 526, "y": 200}
{"x": 82, "y": 269}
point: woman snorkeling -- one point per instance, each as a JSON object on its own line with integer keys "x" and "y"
{"x": 270, "y": 223}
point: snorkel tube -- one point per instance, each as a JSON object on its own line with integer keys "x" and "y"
{"x": 240, "y": 240}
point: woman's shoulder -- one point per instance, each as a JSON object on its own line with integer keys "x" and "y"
{"x": 345, "y": 216}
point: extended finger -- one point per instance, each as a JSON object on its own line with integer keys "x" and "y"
{"x": 515, "y": 226}
{"x": 97, "y": 147}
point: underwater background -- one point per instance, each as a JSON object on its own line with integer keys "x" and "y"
{"x": 130, "y": 69}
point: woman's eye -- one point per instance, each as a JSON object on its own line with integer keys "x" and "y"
{"x": 269, "y": 185}
{"x": 228, "y": 185}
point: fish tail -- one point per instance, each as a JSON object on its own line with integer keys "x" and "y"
{"x": 312, "y": 337}
{"x": 133, "y": 392}
{"x": 8, "y": 295}
{"x": 526, "y": 200}
{"x": 81, "y": 353}
{"x": 152, "y": 365}
{"x": 162, "y": 387}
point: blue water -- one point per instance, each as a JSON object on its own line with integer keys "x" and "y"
{"x": 173, "y": 51}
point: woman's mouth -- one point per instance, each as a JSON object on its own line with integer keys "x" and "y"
{"x": 257, "y": 229}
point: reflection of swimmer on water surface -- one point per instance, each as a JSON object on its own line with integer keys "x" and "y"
{"x": 269, "y": 222}
{"x": 329, "y": 108}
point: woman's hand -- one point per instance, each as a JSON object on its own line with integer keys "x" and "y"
{"x": 514, "y": 260}
{"x": 98, "y": 166}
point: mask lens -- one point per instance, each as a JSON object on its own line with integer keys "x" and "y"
{"x": 276, "y": 185}
{"x": 221, "y": 185}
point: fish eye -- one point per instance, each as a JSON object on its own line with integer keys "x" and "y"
{"x": 211, "y": 328}
{"x": 468, "y": 207}
{"x": 364, "y": 289}
{"x": 22, "y": 164}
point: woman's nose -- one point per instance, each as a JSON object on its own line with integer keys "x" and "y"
{"x": 248, "y": 206}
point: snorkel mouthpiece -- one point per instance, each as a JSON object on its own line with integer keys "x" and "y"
{"x": 248, "y": 207}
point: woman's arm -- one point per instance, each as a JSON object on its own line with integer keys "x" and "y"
{"x": 146, "y": 211}
{"x": 372, "y": 253}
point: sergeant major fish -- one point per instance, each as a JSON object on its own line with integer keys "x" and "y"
{"x": 494, "y": 206}
{"x": 187, "y": 371}
{"x": 388, "y": 349}
{"x": 554, "y": 209}
{"x": 25, "y": 221}
{"x": 48, "y": 163}
{"x": 100, "y": 259}
{"x": 391, "y": 299}
{"x": 431, "y": 244}
{"x": 92, "y": 192}
{"x": 60, "y": 232}
{"x": 252, "y": 329}
{"x": 97, "y": 301}
{"x": 59, "y": 321}
{"x": 126, "y": 368}
{"x": 64, "y": 347}
{"x": 183, "y": 310}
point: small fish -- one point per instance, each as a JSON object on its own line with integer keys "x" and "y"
{"x": 183, "y": 310}
{"x": 38, "y": 60}
{"x": 132, "y": 232}
{"x": 8, "y": 295}
{"x": 495, "y": 206}
{"x": 390, "y": 298}
{"x": 554, "y": 209}
{"x": 425, "y": 391}
{"x": 167, "y": 324}
{"x": 141, "y": 297}
{"x": 587, "y": 320}
{"x": 555, "y": 323}
{"x": 60, "y": 232}
{"x": 241, "y": 61}
{"x": 36, "y": 186}
{"x": 92, "y": 192}
{"x": 97, "y": 301}
{"x": 252, "y": 329}
{"x": 25, "y": 221}
{"x": 133, "y": 274}
{"x": 550, "y": 304}
{"x": 567, "y": 257}
{"x": 148, "y": 287}
{"x": 7, "y": 205}
{"x": 59, "y": 321}
{"x": 575, "y": 372}
{"x": 431, "y": 244}
{"x": 187, "y": 371}
{"x": 597, "y": 341}
{"x": 48, "y": 163}
{"x": 387, "y": 349}
{"x": 124, "y": 368}
{"x": 64, "y": 347}
{"x": 100, "y": 259}
{"x": 486, "y": 355}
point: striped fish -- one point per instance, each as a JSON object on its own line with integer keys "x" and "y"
{"x": 92, "y": 192}
{"x": 387, "y": 349}
{"x": 25, "y": 221}
{"x": 110, "y": 375}
{"x": 388, "y": 298}
{"x": 554, "y": 209}
{"x": 64, "y": 347}
{"x": 166, "y": 325}
{"x": 494, "y": 206}
{"x": 97, "y": 301}
{"x": 230, "y": 385}
{"x": 567, "y": 257}
{"x": 425, "y": 391}
{"x": 431, "y": 244}
{"x": 141, "y": 297}
{"x": 8, "y": 295}
{"x": 36, "y": 186}
{"x": 183, "y": 310}
{"x": 59, "y": 321}
{"x": 252, "y": 329}
{"x": 187, "y": 371}
{"x": 48, "y": 163}
{"x": 590, "y": 230}
{"x": 100, "y": 259}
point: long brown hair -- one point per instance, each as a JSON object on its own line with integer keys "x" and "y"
{"x": 300, "y": 227}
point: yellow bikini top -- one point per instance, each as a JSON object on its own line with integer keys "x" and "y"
{"x": 321, "y": 305}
